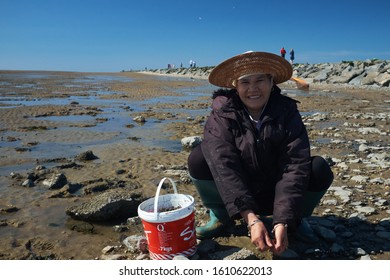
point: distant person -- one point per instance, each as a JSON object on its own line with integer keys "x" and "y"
{"x": 191, "y": 63}
{"x": 292, "y": 57}
{"x": 283, "y": 52}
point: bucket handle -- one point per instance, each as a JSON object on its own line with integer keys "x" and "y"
{"x": 158, "y": 193}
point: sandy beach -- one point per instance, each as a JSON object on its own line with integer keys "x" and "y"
{"x": 47, "y": 119}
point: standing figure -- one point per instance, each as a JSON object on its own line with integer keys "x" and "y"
{"x": 283, "y": 52}
{"x": 254, "y": 161}
{"x": 292, "y": 56}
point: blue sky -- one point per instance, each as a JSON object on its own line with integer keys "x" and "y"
{"x": 115, "y": 35}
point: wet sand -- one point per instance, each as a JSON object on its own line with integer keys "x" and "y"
{"x": 48, "y": 118}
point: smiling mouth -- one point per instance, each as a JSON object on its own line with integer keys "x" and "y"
{"x": 254, "y": 97}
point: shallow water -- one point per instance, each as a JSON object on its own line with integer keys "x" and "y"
{"x": 116, "y": 115}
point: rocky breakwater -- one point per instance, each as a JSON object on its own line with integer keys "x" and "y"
{"x": 372, "y": 73}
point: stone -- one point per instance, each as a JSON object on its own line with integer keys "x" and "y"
{"x": 86, "y": 156}
{"x": 191, "y": 142}
{"x": 112, "y": 204}
{"x": 325, "y": 233}
{"x": 57, "y": 181}
{"x": 136, "y": 244}
{"x": 139, "y": 119}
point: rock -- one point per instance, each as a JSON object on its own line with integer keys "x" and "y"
{"x": 360, "y": 252}
{"x": 9, "y": 209}
{"x": 360, "y": 179}
{"x": 336, "y": 248}
{"x": 112, "y": 204}
{"x": 191, "y": 142}
{"x": 323, "y": 74}
{"x": 15, "y": 175}
{"x": 365, "y": 257}
{"x": 72, "y": 188}
{"x": 369, "y": 130}
{"x": 368, "y": 79}
{"x": 134, "y": 221}
{"x": 57, "y": 181}
{"x": 288, "y": 254}
{"x": 139, "y": 119}
{"x": 363, "y": 148}
{"x": 366, "y": 210}
{"x": 325, "y": 233}
{"x": 207, "y": 246}
{"x": 108, "y": 249}
{"x": 136, "y": 244}
{"x": 383, "y": 234}
{"x": 381, "y": 202}
{"x": 382, "y": 79}
{"x": 342, "y": 193}
{"x": 86, "y": 156}
{"x": 28, "y": 183}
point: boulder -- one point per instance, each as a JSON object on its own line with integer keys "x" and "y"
{"x": 383, "y": 79}
{"x": 111, "y": 205}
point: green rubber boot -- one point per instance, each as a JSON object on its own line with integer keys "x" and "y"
{"x": 219, "y": 217}
{"x": 304, "y": 231}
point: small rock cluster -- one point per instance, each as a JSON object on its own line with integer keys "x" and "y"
{"x": 112, "y": 200}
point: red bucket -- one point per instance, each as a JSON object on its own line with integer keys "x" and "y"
{"x": 169, "y": 224}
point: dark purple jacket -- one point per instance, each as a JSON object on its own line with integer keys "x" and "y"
{"x": 265, "y": 170}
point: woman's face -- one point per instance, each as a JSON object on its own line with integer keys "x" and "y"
{"x": 254, "y": 91}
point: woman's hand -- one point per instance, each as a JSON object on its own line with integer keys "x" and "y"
{"x": 258, "y": 232}
{"x": 260, "y": 237}
{"x": 281, "y": 239}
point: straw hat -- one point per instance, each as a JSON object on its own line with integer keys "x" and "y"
{"x": 227, "y": 72}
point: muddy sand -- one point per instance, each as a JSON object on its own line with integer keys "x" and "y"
{"x": 48, "y": 118}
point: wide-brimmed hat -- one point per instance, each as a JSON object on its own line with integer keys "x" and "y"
{"x": 227, "y": 72}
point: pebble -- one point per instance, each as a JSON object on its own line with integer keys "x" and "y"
{"x": 139, "y": 119}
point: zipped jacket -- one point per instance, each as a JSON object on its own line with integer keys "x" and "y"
{"x": 264, "y": 169}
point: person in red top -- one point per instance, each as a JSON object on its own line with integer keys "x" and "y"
{"x": 283, "y": 52}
